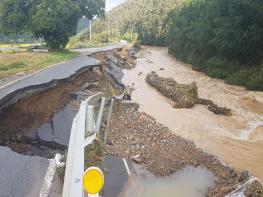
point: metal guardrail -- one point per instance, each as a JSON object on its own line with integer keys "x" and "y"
{"x": 83, "y": 124}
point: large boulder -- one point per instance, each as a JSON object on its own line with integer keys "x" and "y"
{"x": 184, "y": 95}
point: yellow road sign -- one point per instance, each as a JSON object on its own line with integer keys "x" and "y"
{"x": 93, "y": 180}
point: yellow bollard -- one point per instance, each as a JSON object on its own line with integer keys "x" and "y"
{"x": 93, "y": 181}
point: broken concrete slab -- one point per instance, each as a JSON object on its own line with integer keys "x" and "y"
{"x": 21, "y": 175}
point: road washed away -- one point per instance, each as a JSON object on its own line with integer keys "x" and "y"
{"x": 236, "y": 139}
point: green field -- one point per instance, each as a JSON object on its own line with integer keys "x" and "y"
{"x": 12, "y": 63}
{"x": 8, "y": 45}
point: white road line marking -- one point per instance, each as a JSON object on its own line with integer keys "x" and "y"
{"x": 47, "y": 183}
{"x": 127, "y": 167}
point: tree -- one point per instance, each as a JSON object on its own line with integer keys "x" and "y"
{"x": 54, "y": 20}
{"x": 90, "y": 8}
{"x": 14, "y": 15}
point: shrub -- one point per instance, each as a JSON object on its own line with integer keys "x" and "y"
{"x": 256, "y": 81}
{"x": 220, "y": 68}
{"x": 137, "y": 44}
{"x": 240, "y": 77}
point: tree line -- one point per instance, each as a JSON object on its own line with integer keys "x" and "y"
{"x": 221, "y": 38}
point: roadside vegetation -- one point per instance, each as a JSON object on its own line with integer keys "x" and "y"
{"x": 13, "y": 45}
{"x": 16, "y": 62}
{"x": 102, "y": 39}
{"x": 222, "y": 38}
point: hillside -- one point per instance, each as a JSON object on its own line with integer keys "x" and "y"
{"x": 146, "y": 17}
{"x": 221, "y": 38}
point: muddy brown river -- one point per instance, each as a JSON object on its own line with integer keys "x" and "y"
{"x": 236, "y": 140}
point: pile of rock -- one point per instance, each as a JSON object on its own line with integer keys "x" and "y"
{"x": 184, "y": 95}
{"x": 214, "y": 108}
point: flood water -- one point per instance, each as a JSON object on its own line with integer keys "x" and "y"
{"x": 188, "y": 182}
{"x": 236, "y": 139}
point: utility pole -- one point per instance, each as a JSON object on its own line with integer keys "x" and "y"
{"x": 132, "y": 33}
{"x": 116, "y": 26}
{"x": 109, "y": 26}
{"x": 90, "y": 30}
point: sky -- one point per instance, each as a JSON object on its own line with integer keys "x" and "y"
{"x": 112, "y": 3}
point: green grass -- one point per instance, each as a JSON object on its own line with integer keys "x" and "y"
{"x": 9, "y": 45}
{"x": 12, "y": 63}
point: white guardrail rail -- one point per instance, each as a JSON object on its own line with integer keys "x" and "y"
{"x": 85, "y": 122}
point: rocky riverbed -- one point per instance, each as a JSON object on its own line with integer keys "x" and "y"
{"x": 137, "y": 136}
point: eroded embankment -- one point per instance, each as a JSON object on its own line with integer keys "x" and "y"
{"x": 20, "y": 122}
{"x": 163, "y": 153}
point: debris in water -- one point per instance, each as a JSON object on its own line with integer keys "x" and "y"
{"x": 184, "y": 95}
{"x": 140, "y": 73}
{"x": 214, "y": 108}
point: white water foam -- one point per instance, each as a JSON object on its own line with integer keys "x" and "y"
{"x": 252, "y": 125}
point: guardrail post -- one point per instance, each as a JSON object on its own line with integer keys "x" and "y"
{"x": 89, "y": 120}
{"x": 100, "y": 113}
{"x": 108, "y": 120}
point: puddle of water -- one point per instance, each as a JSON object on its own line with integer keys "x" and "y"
{"x": 219, "y": 135}
{"x": 188, "y": 182}
{"x": 58, "y": 130}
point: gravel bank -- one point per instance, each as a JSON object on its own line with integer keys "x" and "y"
{"x": 133, "y": 133}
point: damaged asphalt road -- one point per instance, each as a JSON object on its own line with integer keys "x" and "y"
{"x": 22, "y": 175}
{"x": 57, "y": 72}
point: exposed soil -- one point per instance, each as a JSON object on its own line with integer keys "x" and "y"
{"x": 33, "y": 111}
{"x": 126, "y": 56}
{"x": 101, "y": 56}
{"x": 20, "y": 121}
